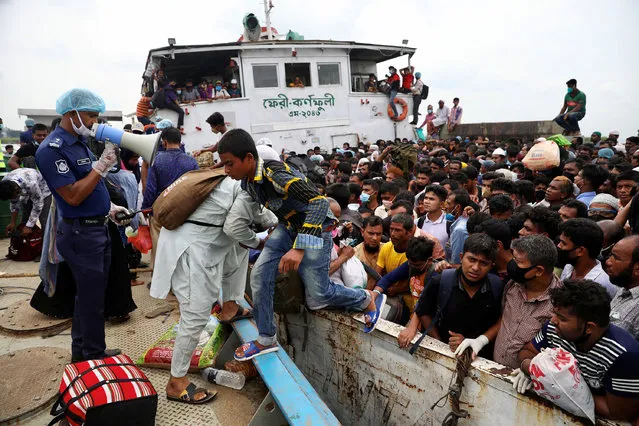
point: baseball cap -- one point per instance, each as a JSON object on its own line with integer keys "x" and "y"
{"x": 137, "y": 127}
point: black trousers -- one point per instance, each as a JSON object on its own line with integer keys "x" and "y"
{"x": 417, "y": 99}
{"x": 180, "y": 112}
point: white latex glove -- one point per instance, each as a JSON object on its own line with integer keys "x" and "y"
{"x": 107, "y": 160}
{"x": 521, "y": 382}
{"x": 477, "y": 345}
{"x": 115, "y": 209}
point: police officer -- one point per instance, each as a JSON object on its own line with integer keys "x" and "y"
{"x": 74, "y": 176}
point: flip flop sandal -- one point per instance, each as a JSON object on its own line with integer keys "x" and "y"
{"x": 239, "y": 314}
{"x": 374, "y": 316}
{"x": 188, "y": 395}
{"x": 250, "y": 351}
{"x": 162, "y": 309}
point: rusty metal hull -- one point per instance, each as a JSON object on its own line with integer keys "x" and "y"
{"x": 366, "y": 379}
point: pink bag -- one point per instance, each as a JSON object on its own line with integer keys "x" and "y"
{"x": 543, "y": 155}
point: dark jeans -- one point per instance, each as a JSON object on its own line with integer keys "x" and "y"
{"x": 44, "y": 214}
{"x": 572, "y": 123}
{"x": 417, "y": 99}
{"x": 180, "y": 112}
{"x": 144, "y": 120}
{"x": 87, "y": 251}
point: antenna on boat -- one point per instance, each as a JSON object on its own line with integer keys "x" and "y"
{"x": 268, "y": 5}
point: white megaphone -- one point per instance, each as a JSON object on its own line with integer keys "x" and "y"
{"x": 145, "y": 145}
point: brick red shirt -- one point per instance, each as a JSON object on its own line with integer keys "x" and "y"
{"x": 522, "y": 318}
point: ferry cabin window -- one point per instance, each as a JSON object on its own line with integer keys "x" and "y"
{"x": 298, "y": 74}
{"x": 328, "y": 74}
{"x": 264, "y": 76}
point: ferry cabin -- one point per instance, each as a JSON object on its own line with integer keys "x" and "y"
{"x": 332, "y": 107}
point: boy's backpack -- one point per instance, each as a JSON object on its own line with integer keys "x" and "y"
{"x": 425, "y": 92}
{"x": 308, "y": 167}
{"x": 446, "y": 285}
{"x": 158, "y": 100}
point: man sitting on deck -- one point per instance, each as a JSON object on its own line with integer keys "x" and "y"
{"x": 301, "y": 242}
{"x": 607, "y": 355}
{"x": 471, "y": 315}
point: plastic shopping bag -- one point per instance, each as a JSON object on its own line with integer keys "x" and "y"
{"x": 556, "y": 377}
{"x": 142, "y": 239}
{"x": 353, "y": 273}
{"x": 543, "y": 155}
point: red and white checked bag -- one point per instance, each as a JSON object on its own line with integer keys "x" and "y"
{"x": 86, "y": 385}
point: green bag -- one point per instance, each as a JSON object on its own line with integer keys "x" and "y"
{"x": 405, "y": 156}
{"x": 560, "y": 140}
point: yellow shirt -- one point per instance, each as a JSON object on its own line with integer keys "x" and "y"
{"x": 389, "y": 259}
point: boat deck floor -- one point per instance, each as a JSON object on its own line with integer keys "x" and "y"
{"x": 230, "y": 407}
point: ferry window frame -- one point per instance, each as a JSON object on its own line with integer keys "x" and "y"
{"x": 265, "y": 66}
{"x": 339, "y": 73}
{"x": 289, "y": 67}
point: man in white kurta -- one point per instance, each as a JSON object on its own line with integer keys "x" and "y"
{"x": 441, "y": 115}
{"x": 191, "y": 261}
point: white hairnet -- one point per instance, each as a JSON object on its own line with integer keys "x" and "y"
{"x": 263, "y": 141}
{"x": 79, "y": 100}
{"x": 164, "y": 124}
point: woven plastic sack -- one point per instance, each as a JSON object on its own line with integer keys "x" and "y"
{"x": 556, "y": 377}
{"x": 542, "y": 156}
{"x": 211, "y": 339}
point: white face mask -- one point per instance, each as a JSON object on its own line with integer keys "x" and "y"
{"x": 82, "y": 130}
{"x": 387, "y": 203}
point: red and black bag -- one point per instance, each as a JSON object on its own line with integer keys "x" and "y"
{"x": 25, "y": 248}
{"x": 105, "y": 392}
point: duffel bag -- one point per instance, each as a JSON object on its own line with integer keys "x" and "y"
{"x": 105, "y": 392}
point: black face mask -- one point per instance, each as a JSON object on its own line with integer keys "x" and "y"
{"x": 599, "y": 217}
{"x": 540, "y": 195}
{"x": 518, "y": 274}
{"x": 563, "y": 257}
{"x": 569, "y": 176}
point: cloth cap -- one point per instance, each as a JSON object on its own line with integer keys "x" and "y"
{"x": 164, "y": 124}
{"x": 499, "y": 151}
{"x": 137, "y": 127}
{"x": 614, "y": 132}
{"x": 263, "y": 141}
{"x": 265, "y": 152}
{"x": 29, "y": 122}
{"x": 605, "y": 153}
{"x": 234, "y": 81}
{"x": 606, "y": 199}
{"x": 487, "y": 163}
{"x": 597, "y": 133}
{"x": 79, "y": 100}
{"x": 418, "y": 74}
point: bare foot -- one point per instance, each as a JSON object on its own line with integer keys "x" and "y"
{"x": 229, "y": 309}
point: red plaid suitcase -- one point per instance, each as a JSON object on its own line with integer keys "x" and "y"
{"x": 104, "y": 392}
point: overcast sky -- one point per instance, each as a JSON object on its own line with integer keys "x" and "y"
{"x": 506, "y": 60}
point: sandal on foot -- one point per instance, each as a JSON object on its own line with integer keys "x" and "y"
{"x": 188, "y": 395}
{"x": 373, "y": 317}
{"x": 159, "y": 310}
{"x": 250, "y": 351}
{"x": 241, "y": 313}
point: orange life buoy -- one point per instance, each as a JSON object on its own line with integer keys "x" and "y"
{"x": 404, "y": 110}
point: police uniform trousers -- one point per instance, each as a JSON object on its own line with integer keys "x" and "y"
{"x": 87, "y": 250}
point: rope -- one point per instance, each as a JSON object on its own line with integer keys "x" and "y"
{"x": 455, "y": 390}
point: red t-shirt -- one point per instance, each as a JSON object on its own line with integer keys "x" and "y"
{"x": 407, "y": 83}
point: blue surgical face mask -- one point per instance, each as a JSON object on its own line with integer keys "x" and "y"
{"x": 450, "y": 217}
{"x": 570, "y": 89}
{"x": 218, "y": 88}
{"x": 364, "y": 197}
{"x": 179, "y": 92}
{"x": 1, "y": 126}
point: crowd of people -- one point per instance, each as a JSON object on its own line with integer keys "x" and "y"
{"x": 456, "y": 239}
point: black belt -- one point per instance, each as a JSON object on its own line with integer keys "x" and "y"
{"x": 87, "y": 221}
{"x": 195, "y": 222}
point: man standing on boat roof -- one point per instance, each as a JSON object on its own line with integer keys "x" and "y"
{"x": 301, "y": 242}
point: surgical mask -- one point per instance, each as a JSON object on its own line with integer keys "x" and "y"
{"x": 570, "y": 90}
{"x": 82, "y": 130}
{"x": 540, "y": 195}
{"x": 430, "y": 110}
{"x": 605, "y": 252}
{"x": 179, "y": 92}
{"x": 218, "y": 88}
{"x": 450, "y": 217}
{"x": 364, "y": 197}
{"x": 518, "y": 274}
{"x": 353, "y": 206}
{"x": 387, "y": 204}
{"x": 563, "y": 257}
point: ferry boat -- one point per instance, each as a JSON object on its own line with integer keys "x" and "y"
{"x": 333, "y": 107}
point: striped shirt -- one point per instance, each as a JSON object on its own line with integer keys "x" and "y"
{"x": 295, "y": 201}
{"x": 144, "y": 107}
{"x": 612, "y": 364}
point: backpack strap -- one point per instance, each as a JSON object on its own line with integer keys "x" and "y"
{"x": 446, "y": 285}
{"x": 420, "y": 221}
{"x": 496, "y": 286}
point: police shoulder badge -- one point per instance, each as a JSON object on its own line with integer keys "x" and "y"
{"x": 62, "y": 166}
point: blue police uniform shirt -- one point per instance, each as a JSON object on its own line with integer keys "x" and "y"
{"x": 64, "y": 159}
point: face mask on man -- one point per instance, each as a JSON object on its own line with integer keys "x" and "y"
{"x": 563, "y": 257}
{"x": 518, "y": 274}
{"x": 218, "y": 88}
{"x": 430, "y": 110}
{"x": 540, "y": 195}
{"x": 179, "y": 92}
{"x": 387, "y": 204}
{"x": 364, "y": 197}
{"x": 569, "y": 176}
{"x": 570, "y": 89}
{"x": 82, "y": 130}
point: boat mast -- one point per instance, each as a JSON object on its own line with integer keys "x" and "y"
{"x": 268, "y": 5}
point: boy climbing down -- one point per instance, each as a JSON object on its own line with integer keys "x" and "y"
{"x": 300, "y": 242}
